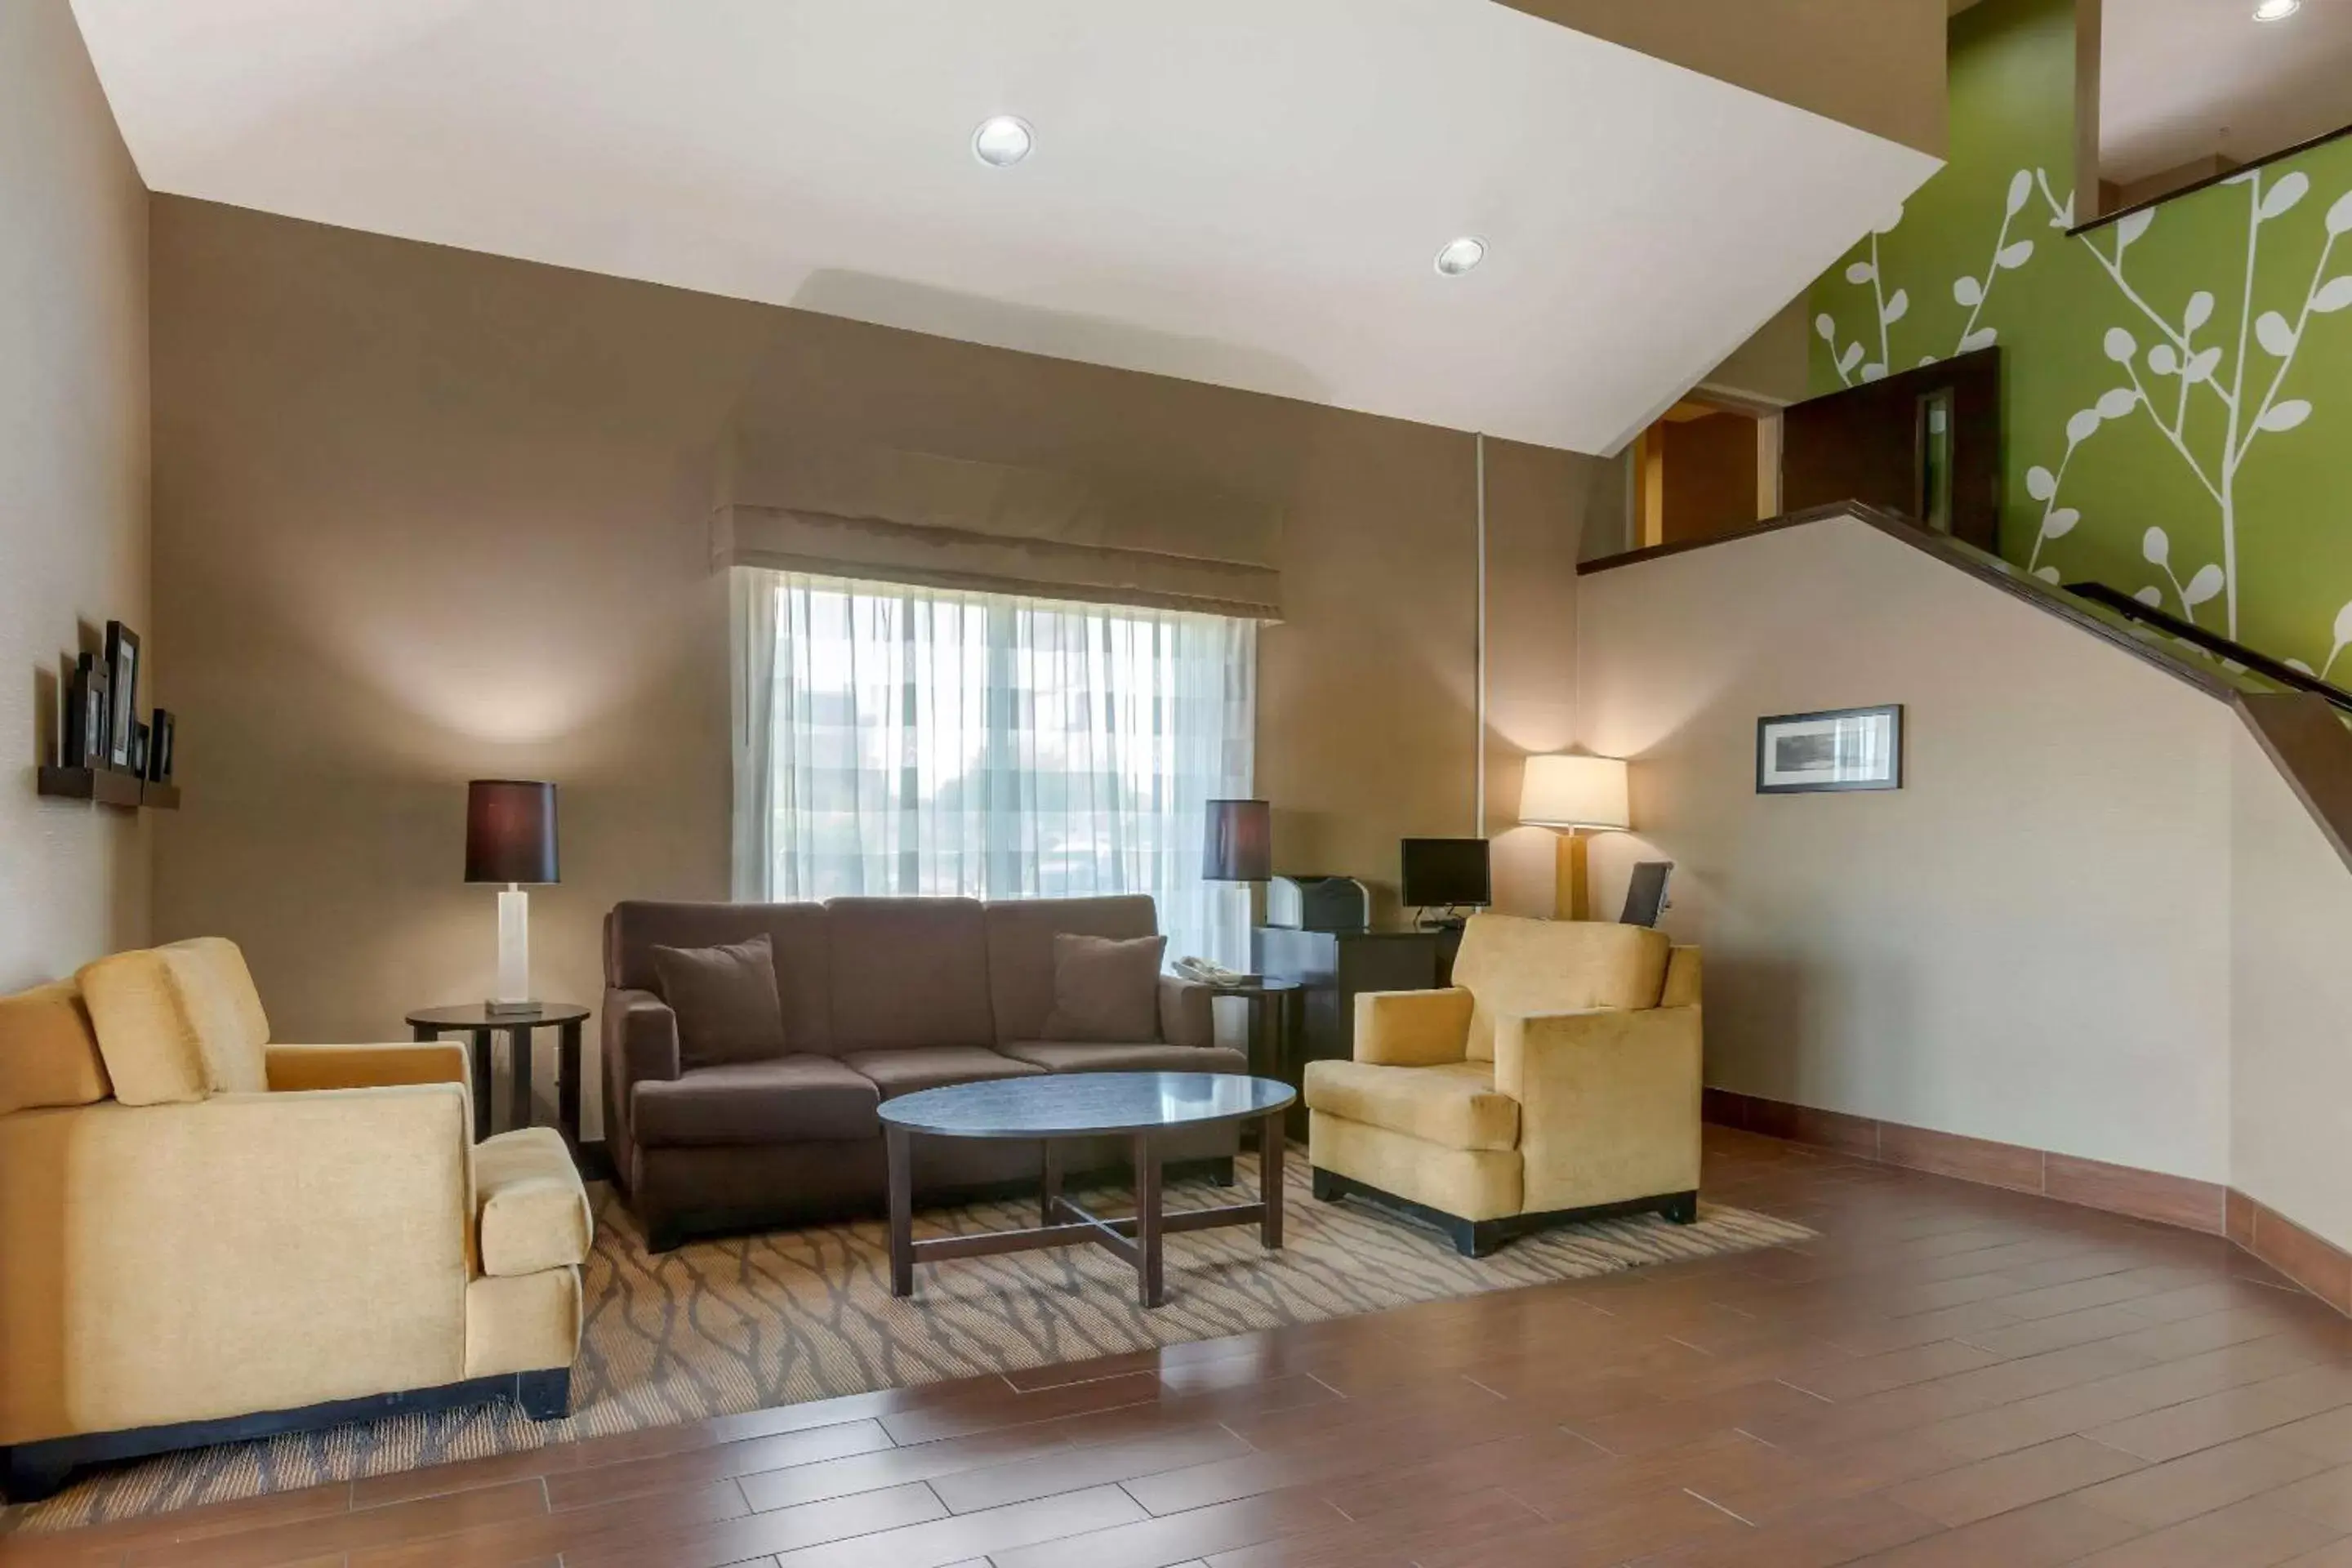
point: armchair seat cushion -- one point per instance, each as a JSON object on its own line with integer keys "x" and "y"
{"x": 1455, "y": 1106}
{"x": 783, "y": 1100}
{"x": 1066, "y": 1055}
{"x": 904, "y": 1070}
{"x": 532, "y": 1212}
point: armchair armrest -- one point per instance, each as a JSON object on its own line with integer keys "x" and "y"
{"x": 1187, "y": 1012}
{"x": 1609, "y": 1102}
{"x": 1412, "y": 1028}
{"x": 296, "y": 1067}
{"x": 196, "y": 1260}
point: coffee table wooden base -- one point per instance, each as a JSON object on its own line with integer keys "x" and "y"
{"x": 1135, "y": 1239}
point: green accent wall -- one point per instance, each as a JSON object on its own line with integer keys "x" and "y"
{"x": 2178, "y": 394}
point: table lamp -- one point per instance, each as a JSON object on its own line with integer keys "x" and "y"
{"x": 1241, "y": 842}
{"x": 511, "y": 839}
{"x": 1580, "y": 794}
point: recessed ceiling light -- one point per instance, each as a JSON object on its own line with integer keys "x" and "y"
{"x": 1002, "y": 140}
{"x": 2276, "y": 10}
{"x": 1459, "y": 256}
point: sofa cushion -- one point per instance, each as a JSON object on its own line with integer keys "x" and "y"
{"x": 909, "y": 971}
{"x": 228, "y": 1009}
{"x": 799, "y": 946}
{"x": 150, "y": 1043}
{"x": 795, "y": 1099}
{"x": 532, "y": 1210}
{"x": 1021, "y": 934}
{"x": 1529, "y": 968}
{"x": 1079, "y": 1055}
{"x": 903, "y": 1071}
{"x": 1455, "y": 1106}
{"x": 1106, "y": 989}
{"x": 725, "y": 1000}
{"x": 48, "y": 1052}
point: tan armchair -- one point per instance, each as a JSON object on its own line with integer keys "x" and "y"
{"x": 205, "y": 1237}
{"x": 1558, "y": 1079}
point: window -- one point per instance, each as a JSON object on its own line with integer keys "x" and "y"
{"x": 920, "y": 740}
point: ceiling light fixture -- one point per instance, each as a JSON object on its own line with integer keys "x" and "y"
{"x": 1459, "y": 256}
{"x": 2276, "y": 10}
{"x": 1002, "y": 140}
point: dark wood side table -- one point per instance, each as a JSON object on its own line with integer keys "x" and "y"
{"x": 480, "y": 1025}
{"x": 1276, "y": 1022}
{"x": 1333, "y": 967}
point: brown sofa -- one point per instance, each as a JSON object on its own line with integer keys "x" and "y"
{"x": 881, "y": 998}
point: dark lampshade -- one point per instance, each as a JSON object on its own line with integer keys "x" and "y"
{"x": 510, "y": 831}
{"x": 1241, "y": 841}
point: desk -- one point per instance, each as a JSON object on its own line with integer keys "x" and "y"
{"x": 1333, "y": 967}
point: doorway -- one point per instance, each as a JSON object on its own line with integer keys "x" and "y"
{"x": 1710, "y": 465}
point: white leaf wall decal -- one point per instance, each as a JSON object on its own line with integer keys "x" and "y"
{"x": 2081, "y": 427}
{"x": 2343, "y": 626}
{"x": 1825, "y": 328}
{"x": 2121, "y": 346}
{"x": 2162, "y": 360}
{"x": 2040, "y": 483}
{"x": 2280, "y": 198}
{"x": 1861, "y": 272}
{"x": 1852, "y": 357}
{"x": 1874, "y": 372}
{"x": 2339, "y": 216}
{"x": 2154, "y": 547}
{"x": 2015, "y": 254}
{"x": 1896, "y": 304}
{"x": 2200, "y": 311}
{"x": 2118, "y": 401}
{"x": 2061, "y": 522}
{"x": 2203, "y": 364}
{"x": 2286, "y": 416}
{"x": 2047, "y": 573}
{"x": 2020, "y": 186}
{"x": 1892, "y": 221}
{"x": 1982, "y": 338}
{"x": 2150, "y": 596}
{"x": 1968, "y": 291}
{"x": 2133, "y": 225}
{"x": 2298, "y": 664}
{"x": 2203, "y": 586}
{"x": 2334, "y": 295}
{"x": 2276, "y": 337}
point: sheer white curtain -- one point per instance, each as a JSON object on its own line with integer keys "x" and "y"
{"x": 932, "y": 741}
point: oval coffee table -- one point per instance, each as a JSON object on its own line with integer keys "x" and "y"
{"x": 1142, "y": 1106}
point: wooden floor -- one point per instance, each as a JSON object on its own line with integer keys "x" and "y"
{"x": 1950, "y": 1375}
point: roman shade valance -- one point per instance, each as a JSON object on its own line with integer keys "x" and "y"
{"x": 889, "y": 515}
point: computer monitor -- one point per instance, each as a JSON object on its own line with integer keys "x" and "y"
{"x": 1645, "y": 895}
{"x": 1446, "y": 873}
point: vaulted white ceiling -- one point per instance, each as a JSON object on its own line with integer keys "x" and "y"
{"x": 1244, "y": 192}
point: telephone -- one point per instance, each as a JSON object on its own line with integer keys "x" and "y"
{"x": 1204, "y": 972}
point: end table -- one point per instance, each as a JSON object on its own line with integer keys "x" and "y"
{"x": 481, "y": 1024}
{"x": 1275, "y": 1018}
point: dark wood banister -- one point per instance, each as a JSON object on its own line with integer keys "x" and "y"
{"x": 2212, "y": 642}
{"x": 2303, "y": 730}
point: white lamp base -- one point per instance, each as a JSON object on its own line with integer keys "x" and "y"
{"x": 513, "y": 991}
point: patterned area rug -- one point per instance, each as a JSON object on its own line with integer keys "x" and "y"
{"x": 721, "y": 1327}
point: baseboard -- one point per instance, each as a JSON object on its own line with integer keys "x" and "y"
{"x": 2319, "y": 1265}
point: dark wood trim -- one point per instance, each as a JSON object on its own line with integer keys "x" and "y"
{"x": 2273, "y": 670}
{"x": 1479, "y": 1237}
{"x": 31, "y": 1471}
{"x": 2306, "y": 739}
{"x": 2264, "y": 161}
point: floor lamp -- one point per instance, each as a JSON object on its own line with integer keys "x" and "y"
{"x": 1578, "y": 795}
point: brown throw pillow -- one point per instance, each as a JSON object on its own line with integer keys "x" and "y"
{"x": 726, "y": 1001}
{"x": 1106, "y": 992}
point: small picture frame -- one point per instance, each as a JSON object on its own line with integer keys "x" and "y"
{"x": 159, "y": 729}
{"x": 123, "y": 700}
{"x": 1840, "y": 749}
{"x": 86, "y": 718}
{"x": 137, "y": 749}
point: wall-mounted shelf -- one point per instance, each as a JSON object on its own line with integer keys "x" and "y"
{"x": 109, "y": 786}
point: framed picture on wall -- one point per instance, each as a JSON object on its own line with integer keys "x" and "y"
{"x": 123, "y": 700}
{"x": 1845, "y": 748}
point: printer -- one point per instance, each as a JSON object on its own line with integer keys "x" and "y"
{"x": 1319, "y": 903}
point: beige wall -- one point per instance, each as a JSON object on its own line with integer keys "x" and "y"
{"x": 424, "y": 515}
{"x": 2291, "y": 1004}
{"x": 2030, "y": 942}
{"x": 73, "y": 477}
{"x": 1875, "y": 65}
